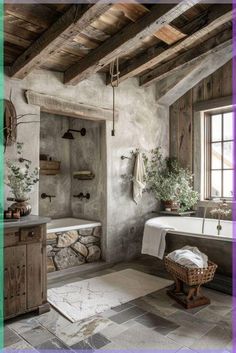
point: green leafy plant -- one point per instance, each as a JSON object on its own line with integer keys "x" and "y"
{"x": 19, "y": 176}
{"x": 168, "y": 181}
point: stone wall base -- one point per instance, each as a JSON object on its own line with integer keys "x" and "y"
{"x": 73, "y": 248}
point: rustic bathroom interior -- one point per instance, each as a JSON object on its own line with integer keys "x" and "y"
{"x": 118, "y": 147}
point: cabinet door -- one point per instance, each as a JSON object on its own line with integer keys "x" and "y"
{"x": 34, "y": 275}
{"x": 14, "y": 280}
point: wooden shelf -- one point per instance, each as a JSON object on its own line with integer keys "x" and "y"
{"x": 83, "y": 176}
{"x": 50, "y": 167}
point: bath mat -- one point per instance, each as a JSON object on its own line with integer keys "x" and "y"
{"x": 80, "y": 300}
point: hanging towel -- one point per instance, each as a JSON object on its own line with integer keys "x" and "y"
{"x": 138, "y": 178}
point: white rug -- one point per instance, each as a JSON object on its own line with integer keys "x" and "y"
{"x": 80, "y": 300}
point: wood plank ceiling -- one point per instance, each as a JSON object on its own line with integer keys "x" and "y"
{"x": 150, "y": 40}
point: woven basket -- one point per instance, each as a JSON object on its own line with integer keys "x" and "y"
{"x": 191, "y": 276}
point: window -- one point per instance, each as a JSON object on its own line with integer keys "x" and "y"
{"x": 219, "y": 155}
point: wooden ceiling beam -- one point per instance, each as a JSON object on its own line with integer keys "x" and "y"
{"x": 126, "y": 39}
{"x": 69, "y": 25}
{"x": 216, "y": 16}
{"x": 199, "y": 52}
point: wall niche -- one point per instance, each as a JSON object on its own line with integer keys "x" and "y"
{"x": 81, "y": 153}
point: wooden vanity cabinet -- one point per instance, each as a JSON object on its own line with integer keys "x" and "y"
{"x": 25, "y": 277}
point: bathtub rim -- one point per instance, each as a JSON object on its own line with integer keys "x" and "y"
{"x": 88, "y": 224}
{"x": 207, "y": 236}
{"x": 202, "y": 236}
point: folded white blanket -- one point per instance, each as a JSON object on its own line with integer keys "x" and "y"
{"x": 154, "y": 238}
{"x": 190, "y": 257}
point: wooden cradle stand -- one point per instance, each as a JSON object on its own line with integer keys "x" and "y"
{"x": 187, "y": 291}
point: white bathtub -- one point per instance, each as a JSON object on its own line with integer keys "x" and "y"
{"x": 193, "y": 226}
{"x": 66, "y": 224}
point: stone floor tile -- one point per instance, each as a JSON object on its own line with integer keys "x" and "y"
{"x": 53, "y": 344}
{"x": 37, "y": 335}
{"x": 123, "y": 307}
{"x": 28, "y": 322}
{"x": 218, "y": 297}
{"x": 19, "y": 347}
{"x": 79, "y": 331}
{"x": 192, "y": 311}
{"x": 53, "y": 321}
{"x": 113, "y": 330}
{"x": 151, "y": 305}
{"x": 160, "y": 324}
{"x": 108, "y": 313}
{"x": 127, "y": 315}
{"x": 190, "y": 321}
{"x": 82, "y": 345}
{"x": 220, "y": 308}
{"x": 10, "y": 337}
{"x": 209, "y": 316}
{"x": 141, "y": 337}
{"x": 185, "y": 336}
{"x": 186, "y": 350}
{"x": 98, "y": 341}
{"x": 217, "y": 338}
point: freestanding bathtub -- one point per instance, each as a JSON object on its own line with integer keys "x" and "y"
{"x": 188, "y": 231}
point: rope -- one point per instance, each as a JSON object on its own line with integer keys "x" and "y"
{"x": 115, "y": 76}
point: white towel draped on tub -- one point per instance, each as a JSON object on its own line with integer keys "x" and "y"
{"x": 138, "y": 178}
{"x": 154, "y": 238}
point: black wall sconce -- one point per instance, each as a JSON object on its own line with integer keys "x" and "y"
{"x": 69, "y": 136}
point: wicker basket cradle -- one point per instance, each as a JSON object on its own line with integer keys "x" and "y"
{"x": 191, "y": 276}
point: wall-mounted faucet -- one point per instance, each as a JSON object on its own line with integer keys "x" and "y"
{"x": 44, "y": 196}
{"x": 83, "y": 196}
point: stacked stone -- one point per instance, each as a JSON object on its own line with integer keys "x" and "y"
{"x": 73, "y": 248}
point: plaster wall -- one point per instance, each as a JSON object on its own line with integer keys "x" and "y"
{"x": 142, "y": 124}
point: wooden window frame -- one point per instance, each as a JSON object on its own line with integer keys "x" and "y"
{"x": 208, "y": 153}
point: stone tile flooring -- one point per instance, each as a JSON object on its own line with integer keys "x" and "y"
{"x": 151, "y": 322}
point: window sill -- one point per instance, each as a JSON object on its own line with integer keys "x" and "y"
{"x": 212, "y": 203}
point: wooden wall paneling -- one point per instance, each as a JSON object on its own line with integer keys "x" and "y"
{"x": 208, "y": 92}
{"x": 198, "y": 92}
{"x": 185, "y": 130}
{"x": 217, "y": 85}
{"x": 34, "y": 275}
{"x": 14, "y": 280}
{"x": 227, "y": 79}
{"x": 217, "y": 89}
{"x": 174, "y": 130}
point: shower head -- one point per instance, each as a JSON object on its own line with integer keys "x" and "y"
{"x": 68, "y": 135}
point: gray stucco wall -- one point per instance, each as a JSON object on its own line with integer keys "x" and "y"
{"x": 142, "y": 124}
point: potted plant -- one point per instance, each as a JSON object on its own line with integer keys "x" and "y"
{"x": 21, "y": 180}
{"x": 170, "y": 183}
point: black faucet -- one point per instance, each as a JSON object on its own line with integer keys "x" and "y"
{"x": 83, "y": 196}
{"x": 44, "y": 196}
